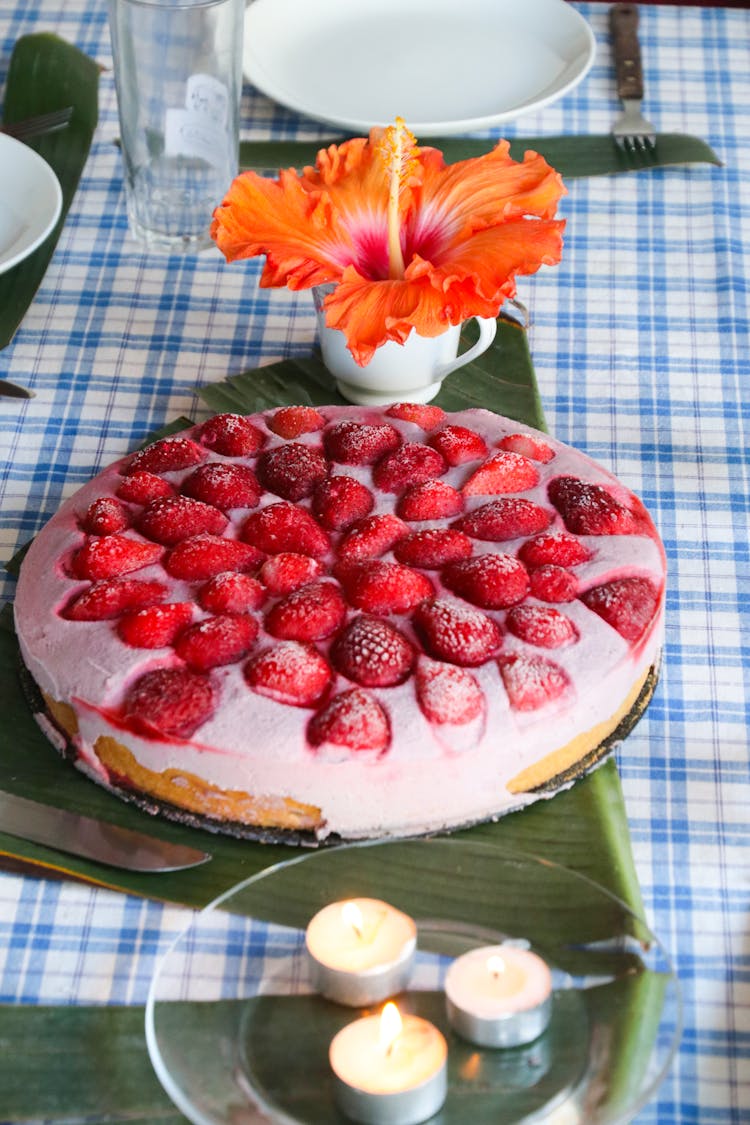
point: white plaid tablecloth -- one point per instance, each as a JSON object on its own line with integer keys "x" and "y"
{"x": 640, "y": 342}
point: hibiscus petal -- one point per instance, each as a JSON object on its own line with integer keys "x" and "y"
{"x": 301, "y": 235}
{"x": 490, "y": 260}
{"x": 370, "y": 313}
{"x": 459, "y": 198}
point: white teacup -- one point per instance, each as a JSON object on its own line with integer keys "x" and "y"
{"x": 408, "y": 372}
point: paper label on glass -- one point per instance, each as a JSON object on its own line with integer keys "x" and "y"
{"x": 199, "y": 130}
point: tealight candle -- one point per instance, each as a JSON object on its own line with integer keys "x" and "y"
{"x": 389, "y": 1070}
{"x": 360, "y": 951}
{"x": 499, "y": 996}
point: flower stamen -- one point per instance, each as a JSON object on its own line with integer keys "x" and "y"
{"x": 399, "y": 152}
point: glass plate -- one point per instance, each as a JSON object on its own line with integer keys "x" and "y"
{"x": 237, "y": 1036}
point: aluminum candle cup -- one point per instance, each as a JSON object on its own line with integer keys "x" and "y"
{"x": 178, "y": 73}
{"x": 360, "y": 951}
{"x": 499, "y": 996}
{"x": 389, "y": 1070}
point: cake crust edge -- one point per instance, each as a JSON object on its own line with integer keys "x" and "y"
{"x": 283, "y": 820}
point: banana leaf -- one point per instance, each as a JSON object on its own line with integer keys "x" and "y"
{"x": 583, "y": 828}
{"x": 96, "y": 1066}
{"x": 79, "y": 1065}
{"x": 573, "y": 157}
{"x": 46, "y": 74}
{"x": 497, "y": 380}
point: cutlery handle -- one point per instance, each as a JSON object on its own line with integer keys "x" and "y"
{"x": 623, "y": 24}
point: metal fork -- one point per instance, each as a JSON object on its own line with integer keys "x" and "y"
{"x": 632, "y": 132}
{"x": 39, "y": 124}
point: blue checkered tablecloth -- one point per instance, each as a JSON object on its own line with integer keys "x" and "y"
{"x": 640, "y": 342}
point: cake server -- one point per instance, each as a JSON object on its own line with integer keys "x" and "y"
{"x": 93, "y": 839}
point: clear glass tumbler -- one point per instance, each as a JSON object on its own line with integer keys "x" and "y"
{"x": 178, "y": 73}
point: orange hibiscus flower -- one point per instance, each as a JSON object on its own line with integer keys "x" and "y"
{"x": 408, "y": 241}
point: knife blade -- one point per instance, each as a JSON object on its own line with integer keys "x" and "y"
{"x": 12, "y": 390}
{"x": 93, "y": 839}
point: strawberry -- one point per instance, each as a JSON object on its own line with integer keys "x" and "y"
{"x": 170, "y": 701}
{"x": 448, "y": 694}
{"x": 223, "y": 485}
{"x": 339, "y": 501}
{"x": 284, "y": 527}
{"x": 107, "y": 556}
{"x": 552, "y": 583}
{"x": 556, "y": 547}
{"x": 216, "y": 641}
{"x": 289, "y": 673}
{"x": 204, "y": 556}
{"x": 453, "y": 631}
{"x": 156, "y": 626}
{"x": 142, "y": 487}
{"x": 502, "y": 472}
{"x": 589, "y": 509}
{"x": 353, "y": 719}
{"x": 412, "y": 463}
{"x": 372, "y": 536}
{"x": 531, "y": 681}
{"x": 383, "y": 587}
{"x": 113, "y": 596}
{"x": 105, "y": 516}
{"x": 292, "y": 470}
{"x": 173, "y": 518}
{"x": 528, "y": 445}
{"x": 288, "y": 571}
{"x": 231, "y": 592}
{"x": 433, "y": 548}
{"x": 291, "y": 421}
{"x": 432, "y": 500}
{"x": 541, "y": 625}
{"x": 232, "y": 435}
{"x": 491, "y": 581}
{"x": 166, "y": 456}
{"x": 356, "y": 443}
{"x": 457, "y": 444}
{"x": 417, "y": 412}
{"x": 372, "y": 652}
{"x": 500, "y": 520}
{"x": 627, "y": 604}
{"x": 310, "y": 613}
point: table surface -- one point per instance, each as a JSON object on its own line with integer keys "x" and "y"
{"x": 640, "y": 343}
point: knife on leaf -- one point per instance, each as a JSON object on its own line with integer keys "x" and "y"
{"x": 93, "y": 839}
{"x": 13, "y": 390}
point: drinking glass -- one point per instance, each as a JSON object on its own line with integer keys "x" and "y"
{"x": 178, "y": 74}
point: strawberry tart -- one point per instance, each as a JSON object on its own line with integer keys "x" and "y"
{"x": 343, "y": 622}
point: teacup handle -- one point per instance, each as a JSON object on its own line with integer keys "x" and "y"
{"x": 487, "y": 330}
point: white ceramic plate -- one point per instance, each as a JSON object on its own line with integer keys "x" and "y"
{"x": 445, "y": 66}
{"x": 30, "y": 201}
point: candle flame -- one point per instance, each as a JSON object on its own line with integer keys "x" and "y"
{"x": 495, "y": 965}
{"x": 352, "y": 916}
{"x": 390, "y": 1027}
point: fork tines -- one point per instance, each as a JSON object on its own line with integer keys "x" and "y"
{"x": 39, "y": 124}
